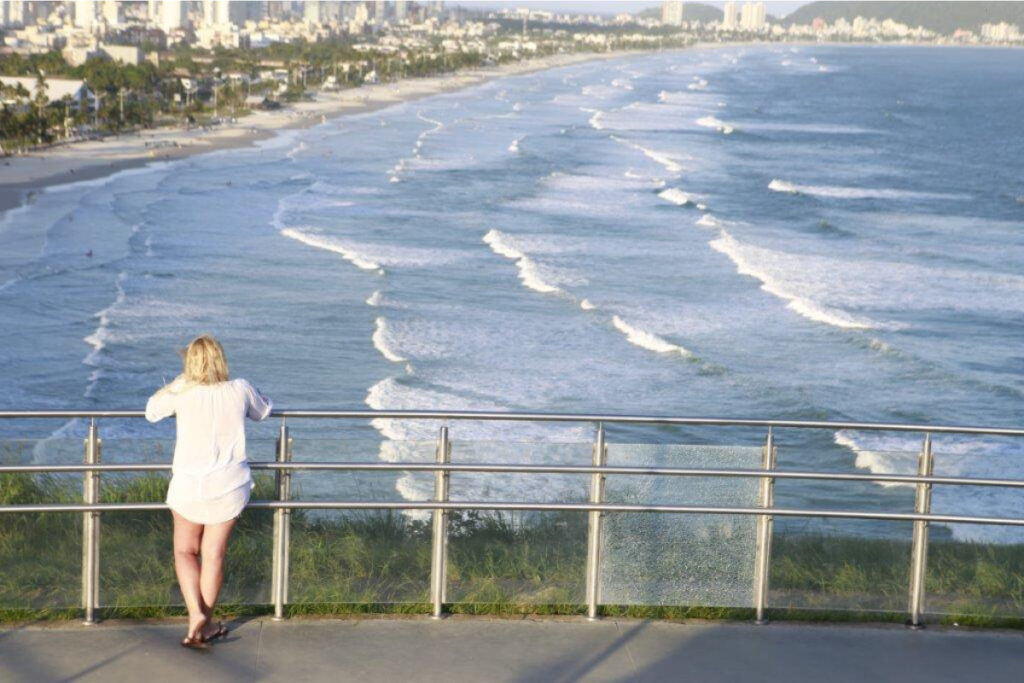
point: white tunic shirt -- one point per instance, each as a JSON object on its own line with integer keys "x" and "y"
{"x": 209, "y": 454}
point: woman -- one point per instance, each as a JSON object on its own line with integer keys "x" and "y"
{"x": 211, "y": 483}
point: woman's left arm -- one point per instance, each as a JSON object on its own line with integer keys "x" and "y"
{"x": 161, "y": 404}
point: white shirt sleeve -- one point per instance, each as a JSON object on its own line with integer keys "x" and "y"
{"x": 161, "y": 404}
{"x": 257, "y": 406}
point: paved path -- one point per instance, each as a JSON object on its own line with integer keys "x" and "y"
{"x": 482, "y": 649}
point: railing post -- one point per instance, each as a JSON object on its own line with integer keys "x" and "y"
{"x": 439, "y": 545}
{"x": 919, "y": 551}
{"x": 762, "y": 560}
{"x": 91, "y": 528}
{"x": 600, "y": 457}
{"x": 282, "y": 525}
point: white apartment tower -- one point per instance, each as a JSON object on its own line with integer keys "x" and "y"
{"x": 672, "y": 12}
{"x": 172, "y": 15}
{"x": 311, "y": 11}
{"x": 753, "y": 16}
{"x": 401, "y": 11}
{"x": 730, "y": 17}
{"x": 111, "y": 12}
{"x": 216, "y": 13}
{"x": 85, "y": 14}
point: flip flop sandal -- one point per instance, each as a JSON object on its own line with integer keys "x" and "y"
{"x": 221, "y": 632}
{"x": 194, "y": 643}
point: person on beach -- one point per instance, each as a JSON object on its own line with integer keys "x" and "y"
{"x": 210, "y": 481}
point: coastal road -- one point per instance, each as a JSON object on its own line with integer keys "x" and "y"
{"x": 488, "y": 649}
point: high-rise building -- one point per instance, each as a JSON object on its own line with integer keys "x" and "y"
{"x": 172, "y": 15}
{"x": 112, "y": 12}
{"x": 753, "y": 18}
{"x": 311, "y": 11}
{"x": 401, "y": 11}
{"x": 217, "y": 13}
{"x": 672, "y": 12}
{"x": 85, "y": 14}
{"x": 380, "y": 11}
{"x": 730, "y": 18}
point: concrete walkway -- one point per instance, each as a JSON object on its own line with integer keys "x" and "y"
{"x": 484, "y": 649}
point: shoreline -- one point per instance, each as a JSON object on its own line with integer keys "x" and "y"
{"x": 23, "y": 177}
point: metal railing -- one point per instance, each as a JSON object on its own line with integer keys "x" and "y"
{"x": 441, "y": 506}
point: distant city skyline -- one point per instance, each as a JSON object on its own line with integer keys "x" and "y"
{"x": 778, "y": 8}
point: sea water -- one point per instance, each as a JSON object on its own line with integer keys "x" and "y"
{"x": 787, "y": 232}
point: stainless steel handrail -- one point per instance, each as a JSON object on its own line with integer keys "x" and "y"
{"x": 535, "y": 469}
{"x": 557, "y": 417}
{"x": 596, "y": 507}
{"x": 538, "y": 506}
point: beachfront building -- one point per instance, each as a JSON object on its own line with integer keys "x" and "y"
{"x": 672, "y": 13}
{"x": 1002, "y": 32}
{"x": 753, "y": 17}
{"x": 73, "y": 91}
{"x": 730, "y": 17}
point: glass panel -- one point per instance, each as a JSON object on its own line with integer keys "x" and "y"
{"x": 360, "y": 557}
{"x": 36, "y": 575}
{"x": 504, "y": 559}
{"x": 860, "y": 565}
{"x": 136, "y": 549}
{"x": 679, "y": 559}
{"x": 976, "y": 570}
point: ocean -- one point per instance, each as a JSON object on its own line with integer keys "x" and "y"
{"x": 798, "y": 232}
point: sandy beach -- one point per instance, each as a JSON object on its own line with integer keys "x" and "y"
{"x": 22, "y": 176}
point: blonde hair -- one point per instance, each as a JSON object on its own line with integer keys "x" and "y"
{"x": 203, "y": 361}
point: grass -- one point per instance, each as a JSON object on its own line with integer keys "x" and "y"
{"x": 375, "y": 563}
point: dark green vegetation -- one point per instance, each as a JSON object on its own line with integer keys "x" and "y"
{"x": 941, "y": 17}
{"x": 344, "y": 563}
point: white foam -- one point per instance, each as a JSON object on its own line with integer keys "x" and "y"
{"x": 530, "y": 273}
{"x": 586, "y": 305}
{"x": 375, "y": 299}
{"x": 768, "y": 267}
{"x": 698, "y": 84}
{"x": 663, "y": 158}
{"x": 647, "y": 340}
{"x": 717, "y": 124}
{"x": 595, "y": 121}
{"x": 330, "y": 244}
{"x": 622, "y": 83}
{"x": 812, "y": 128}
{"x": 296, "y": 150}
{"x": 384, "y": 343}
{"x": 514, "y": 147}
{"x": 676, "y": 196}
{"x": 413, "y": 441}
{"x": 711, "y": 221}
{"x": 837, "y": 192}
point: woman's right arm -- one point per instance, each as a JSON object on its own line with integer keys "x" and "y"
{"x": 257, "y": 406}
{"x": 161, "y": 404}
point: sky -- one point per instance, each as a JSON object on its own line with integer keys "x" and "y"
{"x": 779, "y": 8}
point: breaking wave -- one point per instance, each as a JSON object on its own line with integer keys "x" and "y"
{"x": 765, "y": 265}
{"x": 836, "y": 192}
{"x": 717, "y": 124}
{"x": 647, "y": 340}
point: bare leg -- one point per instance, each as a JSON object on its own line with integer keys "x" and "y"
{"x": 187, "y": 541}
{"x": 214, "y": 545}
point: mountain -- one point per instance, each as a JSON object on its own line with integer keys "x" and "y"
{"x": 692, "y": 11}
{"x": 941, "y": 17}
